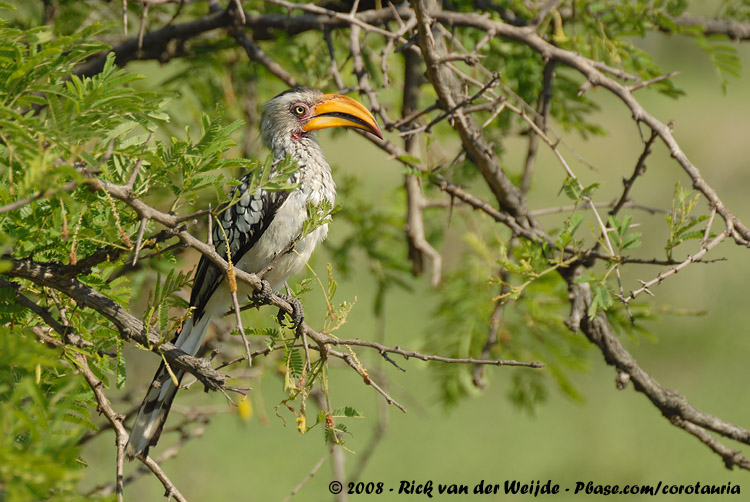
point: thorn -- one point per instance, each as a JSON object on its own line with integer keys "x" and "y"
{"x": 622, "y": 380}
{"x": 139, "y": 239}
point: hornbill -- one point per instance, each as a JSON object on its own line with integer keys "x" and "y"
{"x": 259, "y": 226}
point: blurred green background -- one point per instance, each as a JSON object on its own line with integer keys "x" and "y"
{"x": 612, "y": 437}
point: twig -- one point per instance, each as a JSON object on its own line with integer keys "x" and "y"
{"x": 348, "y": 359}
{"x": 354, "y": 20}
{"x": 47, "y": 317}
{"x": 139, "y": 240}
{"x": 415, "y": 230}
{"x": 255, "y": 53}
{"x": 492, "y": 336}
{"x": 334, "y": 66}
{"x": 587, "y": 199}
{"x": 591, "y": 70}
{"x": 600, "y": 205}
{"x": 543, "y": 102}
{"x": 156, "y": 44}
{"x": 652, "y": 81}
{"x": 640, "y": 168}
{"x": 733, "y": 29}
{"x": 238, "y": 317}
{"x": 543, "y": 12}
{"x": 136, "y": 169}
{"x": 71, "y": 185}
{"x": 130, "y": 327}
{"x": 673, "y": 405}
{"x": 363, "y": 77}
{"x": 731, "y": 457}
{"x": 411, "y": 117}
{"x": 142, "y": 27}
{"x": 463, "y": 104}
{"x": 240, "y": 11}
{"x": 308, "y": 476}
{"x": 383, "y": 349}
{"x": 709, "y": 224}
{"x": 171, "y": 489}
{"x": 690, "y": 259}
{"x": 442, "y": 79}
{"x": 171, "y": 452}
{"x": 418, "y": 244}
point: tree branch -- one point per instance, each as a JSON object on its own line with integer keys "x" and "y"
{"x": 588, "y": 68}
{"x": 121, "y": 435}
{"x": 442, "y": 79}
{"x": 55, "y": 276}
{"x": 160, "y": 44}
{"x": 733, "y": 29}
{"x": 673, "y": 405}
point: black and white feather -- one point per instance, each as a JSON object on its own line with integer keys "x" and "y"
{"x": 240, "y": 224}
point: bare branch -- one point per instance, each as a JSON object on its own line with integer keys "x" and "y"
{"x": 640, "y": 169}
{"x": 383, "y": 349}
{"x": 158, "y": 44}
{"x": 690, "y": 259}
{"x": 652, "y": 81}
{"x": 363, "y": 77}
{"x": 348, "y": 359}
{"x": 543, "y": 102}
{"x": 418, "y": 244}
{"x": 308, "y": 476}
{"x": 122, "y": 435}
{"x": 590, "y": 69}
{"x": 508, "y": 196}
{"x": 255, "y": 53}
{"x": 354, "y": 20}
{"x": 673, "y": 405}
{"x": 733, "y": 29}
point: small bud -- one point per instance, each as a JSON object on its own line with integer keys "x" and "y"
{"x": 232, "y": 281}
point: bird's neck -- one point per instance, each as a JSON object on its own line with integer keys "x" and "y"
{"x": 303, "y": 150}
{"x": 314, "y": 172}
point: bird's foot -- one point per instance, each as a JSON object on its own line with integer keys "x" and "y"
{"x": 298, "y": 312}
{"x": 263, "y": 295}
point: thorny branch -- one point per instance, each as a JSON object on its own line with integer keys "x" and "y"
{"x": 597, "y": 329}
{"x": 740, "y": 233}
{"x": 640, "y": 169}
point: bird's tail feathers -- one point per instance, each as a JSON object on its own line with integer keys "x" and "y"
{"x": 153, "y": 413}
{"x": 155, "y": 407}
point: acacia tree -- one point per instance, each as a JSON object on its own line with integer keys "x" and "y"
{"x": 103, "y": 190}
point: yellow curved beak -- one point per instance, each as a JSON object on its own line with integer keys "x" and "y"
{"x": 335, "y": 110}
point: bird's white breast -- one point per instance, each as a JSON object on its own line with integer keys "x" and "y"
{"x": 316, "y": 184}
{"x": 285, "y": 227}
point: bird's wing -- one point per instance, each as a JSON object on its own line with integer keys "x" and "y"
{"x": 241, "y": 225}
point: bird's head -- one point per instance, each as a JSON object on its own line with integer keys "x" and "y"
{"x": 294, "y": 114}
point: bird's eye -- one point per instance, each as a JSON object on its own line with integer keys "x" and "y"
{"x": 299, "y": 110}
